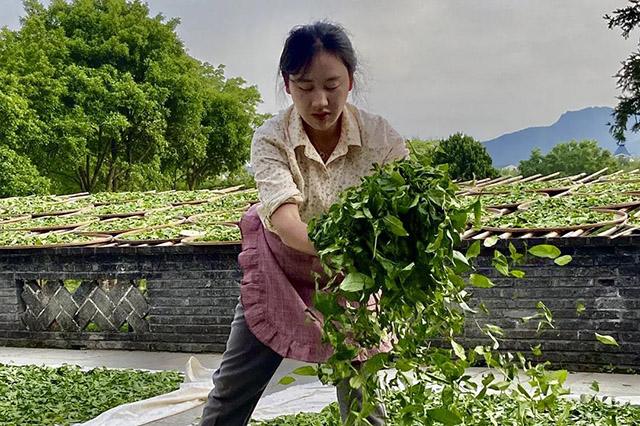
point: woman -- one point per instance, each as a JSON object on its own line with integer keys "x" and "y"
{"x": 302, "y": 160}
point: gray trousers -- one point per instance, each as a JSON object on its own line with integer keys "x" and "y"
{"x": 246, "y": 368}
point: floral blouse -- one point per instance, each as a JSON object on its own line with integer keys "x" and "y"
{"x": 288, "y": 169}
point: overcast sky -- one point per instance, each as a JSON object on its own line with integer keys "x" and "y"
{"x": 431, "y": 67}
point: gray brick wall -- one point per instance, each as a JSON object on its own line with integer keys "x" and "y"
{"x": 191, "y": 293}
{"x": 603, "y": 277}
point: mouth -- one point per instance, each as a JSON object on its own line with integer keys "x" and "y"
{"x": 323, "y": 116}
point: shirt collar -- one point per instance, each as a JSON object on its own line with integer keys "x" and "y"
{"x": 349, "y": 135}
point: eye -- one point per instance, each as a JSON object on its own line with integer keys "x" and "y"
{"x": 305, "y": 88}
{"x": 333, "y": 87}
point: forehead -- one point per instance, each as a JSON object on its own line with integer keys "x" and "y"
{"x": 324, "y": 66}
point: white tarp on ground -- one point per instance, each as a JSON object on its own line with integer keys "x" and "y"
{"x": 311, "y": 397}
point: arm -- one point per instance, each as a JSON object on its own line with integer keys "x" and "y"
{"x": 276, "y": 188}
{"x": 286, "y": 222}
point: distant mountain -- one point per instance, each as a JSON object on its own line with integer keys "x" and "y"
{"x": 588, "y": 123}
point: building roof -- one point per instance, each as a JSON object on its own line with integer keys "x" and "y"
{"x": 621, "y": 151}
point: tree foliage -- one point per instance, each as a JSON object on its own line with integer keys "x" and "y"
{"x": 18, "y": 177}
{"x": 569, "y": 158}
{"x": 627, "y": 19}
{"x": 467, "y": 158}
{"x": 99, "y": 95}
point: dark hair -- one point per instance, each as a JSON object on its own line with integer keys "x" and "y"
{"x": 306, "y": 41}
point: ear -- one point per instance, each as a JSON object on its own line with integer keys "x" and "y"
{"x": 350, "y": 83}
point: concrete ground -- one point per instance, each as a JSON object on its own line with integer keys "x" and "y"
{"x": 623, "y": 387}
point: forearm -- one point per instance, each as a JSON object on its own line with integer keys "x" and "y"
{"x": 291, "y": 229}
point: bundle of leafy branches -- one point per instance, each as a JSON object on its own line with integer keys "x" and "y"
{"x": 393, "y": 238}
{"x": 46, "y": 396}
{"x": 393, "y": 241}
{"x": 494, "y": 410}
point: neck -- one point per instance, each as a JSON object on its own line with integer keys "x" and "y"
{"x": 324, "y": 140}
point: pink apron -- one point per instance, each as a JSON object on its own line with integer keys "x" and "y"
{"x": 277, "y": 290}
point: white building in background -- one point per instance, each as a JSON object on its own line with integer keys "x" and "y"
{"x": 510, "y": 168}
{"x": 622, "y": 152}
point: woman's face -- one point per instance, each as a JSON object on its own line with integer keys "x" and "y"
{"x": 320, "y": 92}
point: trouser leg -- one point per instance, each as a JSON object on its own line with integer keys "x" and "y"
{"x": 246, "y": 368}
{"x": 346, "y": 395}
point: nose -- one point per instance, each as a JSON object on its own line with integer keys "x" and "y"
{"x": 319, "y": 99}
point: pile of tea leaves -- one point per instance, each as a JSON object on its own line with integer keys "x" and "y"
{"x": 33, "y": 395}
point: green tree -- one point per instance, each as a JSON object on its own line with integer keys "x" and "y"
{"x": 570, "y": 158}
{"x": 467, "y": 158}
{"x": 18, "y": 177}
{"x": 628, "y": 164}
{"x": 102, "y": 96}
{"x": 627, "y": 19}
{"x": 240, "y": 176}
{"x": 535, "y": 164}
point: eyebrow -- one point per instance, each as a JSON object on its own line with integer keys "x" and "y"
{"x": 304, "y": 79}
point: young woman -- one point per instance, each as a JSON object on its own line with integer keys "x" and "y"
{"x": 302, "y": 159}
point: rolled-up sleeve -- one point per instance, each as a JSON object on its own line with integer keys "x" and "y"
{"x": 272, "y": 174}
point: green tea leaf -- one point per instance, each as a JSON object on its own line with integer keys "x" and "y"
{"x": 444, "y": 416}
{"x": 480, "y": 281}
{"x": 307, "y": 370}
{"x": 607, "y": 340}
{"x": 286, "y": 380}
{"x": 473, "y": 250}
{"x": 517, "y": 273}
{"x": 460, "y": 257}
{"x": 545, "y": 251}
{"x": 356, "y": 382}
{"x": 536, "y": 350}
{"x": 491, "y": 241}
{"x": 458, "y": 349}
{"x": 563, "y": 260}
{"x": 355, "y": 281}
{"x": 395, "y": 225}
{"x": 500, "y": 262}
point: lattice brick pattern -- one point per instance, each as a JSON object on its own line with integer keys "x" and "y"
{"x": 107, "y": 303}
